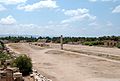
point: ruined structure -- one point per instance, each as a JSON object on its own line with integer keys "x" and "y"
{"x": 110, "y": 43}
{"x": 10, "y": 74}
{"x": 23, "y": 41}
{"x": 6, "y": 75}
{"x": 41, "y": 42}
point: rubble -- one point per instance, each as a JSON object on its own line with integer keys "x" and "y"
{"x": 39, "y": 77}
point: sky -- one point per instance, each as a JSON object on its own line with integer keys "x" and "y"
{"x": 83, "y": 18}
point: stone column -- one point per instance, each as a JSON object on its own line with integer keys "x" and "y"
{"x": 61, "y": 42}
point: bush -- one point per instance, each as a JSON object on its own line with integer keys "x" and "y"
{"x": 86, "y": 43}
{"x": 118, "y": 45}
{"x": 24, "y": 64}
{"x": 90, "y": 44}
{"x": 4, "y": 56}
{"x": 2, "y": 47}
{"x": 93, "y": 43}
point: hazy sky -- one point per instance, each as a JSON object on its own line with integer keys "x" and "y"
{"x": 56, "y": 17}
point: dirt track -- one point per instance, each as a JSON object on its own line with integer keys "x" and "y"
{"x": 68, "y": 66}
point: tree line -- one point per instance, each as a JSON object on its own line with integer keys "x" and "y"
{"x": 57, "y": 39}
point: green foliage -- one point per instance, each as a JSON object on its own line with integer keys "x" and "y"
{"x": 24, "y": 64}
{"x": 56, "y": 39}
{"x": 94, "y": 40}
{"x": 4, "y": 56}
{"x": 65, "y": 39}
{"x": 118, "y": 45}
{"x": 19, "y": 38}
{"x": 86, "y": 43}
{"x": 93, "y": 43}
{"x": 2, "y": 47}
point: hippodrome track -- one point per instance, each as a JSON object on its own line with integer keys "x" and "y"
{"x": 70, "y": 66}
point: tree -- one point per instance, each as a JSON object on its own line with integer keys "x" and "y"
{"x": 2, "y": 47}
{"x": 118, "y": 45}
{"x": 24, "y": 64}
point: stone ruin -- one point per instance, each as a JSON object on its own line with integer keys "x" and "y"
{"x": 41, "y": 43}
{"x": 10, "y": 73}
{"x": 38, "y": 76}
{"x": 110, "y": 43}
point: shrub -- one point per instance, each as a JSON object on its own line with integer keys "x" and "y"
{"x": 4, "y": 56}
{"x": 93, "y": 43}
{"x": 118, "y": 45}
{"x": 24, "y": 64}
{"x": 2, "y": 47}
{"x": 86, "y": 43}
{"x": 90, "y": 44}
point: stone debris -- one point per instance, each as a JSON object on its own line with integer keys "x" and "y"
{"x": 39, "y": 77}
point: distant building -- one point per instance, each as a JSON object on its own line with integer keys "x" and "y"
{"x": 23, "y": 41}
{"x": 110, "y": 43}
{"x": 4, "y": 41}
{"x": 42, "y": 43}
{"x": 42, "y": 40}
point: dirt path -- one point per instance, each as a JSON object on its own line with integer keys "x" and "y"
{"x": 65, "y": 66}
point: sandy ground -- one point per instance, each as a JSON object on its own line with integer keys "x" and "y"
{"x": 110, "y": 51}
{"x": 69, "y": 66}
